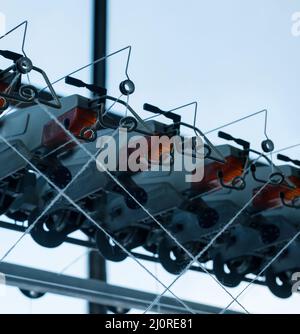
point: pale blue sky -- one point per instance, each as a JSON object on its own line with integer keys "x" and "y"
{"x": 234, "y": 57}
{"x": 59, "y": 40}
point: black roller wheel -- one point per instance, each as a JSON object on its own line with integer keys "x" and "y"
{"x": 151, "y": 248}
{"x": 269, "y": 233}
{"x": 46, "y": 232}
{"x": 208, "y": 218}
{"x": 60, "y": 176}
{"x": 279, "y": 284}
{"x": 254, "y": 265}
{"x": 118, "y": 310}
{"x": 129, "y": 239}
{"x": 173, "y": 258}
{"x": 32, "y": 294}
{"x": 17, "y": 216}
{"x": 108, "y": 249}
{"x": 232, "y": 278}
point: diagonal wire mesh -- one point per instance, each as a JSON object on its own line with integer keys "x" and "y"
{"x": 92, "y": 158}
{"x": 134, "y": 199}
{"x": 231, "y": 220}
{"x": 274, "y": 258}
{"x": 60, "y": 193}
{"x": 174, "y": 239}
{"x": 206, "y": 248}
{"x": 87, "y": 216}
{"x": 129, "y": 49}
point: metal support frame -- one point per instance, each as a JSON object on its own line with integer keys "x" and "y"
{"x": 97, "y": 266}
{"x": 94, "y": 291}
{"x": 91, "y": 245}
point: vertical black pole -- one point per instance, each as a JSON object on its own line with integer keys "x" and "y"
{"x": 97, "y": 267}
{"x": 100, "y": 30}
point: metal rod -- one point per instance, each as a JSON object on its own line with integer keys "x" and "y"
{"x": 97, "y": 266}
{"x": 91, "y": 245}
{"x": 93, "y": 291}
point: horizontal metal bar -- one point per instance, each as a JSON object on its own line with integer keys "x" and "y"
{"x": 94, "y": 291}
{"x": 192, "y": 268}
{"x": 89, "y": 244}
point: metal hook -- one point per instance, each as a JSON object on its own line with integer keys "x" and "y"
{"x": 272, "y": 178}
{"x": 292, "y": 206}
{"x": 21, "y": 97}
{"x": 177, "y": 121}
{"x": 24, "y": 35}
{"x": 234, "y": 183}
{"x": 98, "y": 61}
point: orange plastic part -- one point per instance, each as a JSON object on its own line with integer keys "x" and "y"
{"x": 74, "y": 121}
{"x": 3, "y": 86}
{"x": 2, "y": 102}
{"x": 231, "y": 169}
{"x": 269, "y": 197}
{"x": 153, "y": 154}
